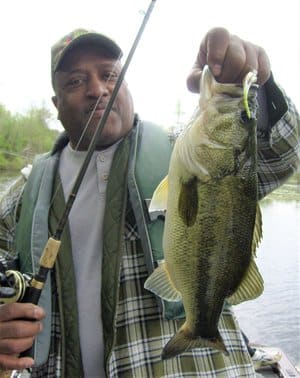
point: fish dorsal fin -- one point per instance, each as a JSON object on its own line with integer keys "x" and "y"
{"x": 251, "y": 287}
{"x": 159, "y": 283}
{"x": 160, "y": 196}
{"x": 252, "y": 284}
{"x": 206, "y": 84}
{"x": 257, "y": 234}
{"x": 188, "y": 202}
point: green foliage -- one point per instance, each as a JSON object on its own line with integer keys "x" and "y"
{"x": 24, "y": 136}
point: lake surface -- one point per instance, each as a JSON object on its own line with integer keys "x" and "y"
{"x": 273, "y": 318}
{"x": 6, "y": 179}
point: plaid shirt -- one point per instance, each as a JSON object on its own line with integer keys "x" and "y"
{"x": 278, "y": 151}
{"x": 140, "y": 330}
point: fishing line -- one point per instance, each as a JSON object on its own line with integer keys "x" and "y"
{"x": 97, "y": 102}
{"x": 81, "y": 172}
{"x": 48, "y": 257}
{"x": 146, "y": 17}
{"x": 55, "y": 194}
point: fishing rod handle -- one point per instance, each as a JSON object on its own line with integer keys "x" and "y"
{"x": 33, "y": 292}
{"x": 47, "y": 261}
{"x": 32, "y": 295}
{"x": 35, "y": 287}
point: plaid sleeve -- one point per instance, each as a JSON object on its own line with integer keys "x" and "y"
{"x": 279, "y": 150}
{"x": 9, "y": 206}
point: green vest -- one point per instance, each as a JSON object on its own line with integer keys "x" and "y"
{"x": 140, "y": 163}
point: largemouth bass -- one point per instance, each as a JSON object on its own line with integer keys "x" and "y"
{"x": 213, "y": 222}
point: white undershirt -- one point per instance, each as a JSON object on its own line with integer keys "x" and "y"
{"x": 85, "y": 222}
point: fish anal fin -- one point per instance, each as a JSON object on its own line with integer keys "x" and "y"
{"x": 188, "y": 202}
{"x": 160, "y": 196}
{"x": 183, "y": 341}
{"x": 159, "y": 283}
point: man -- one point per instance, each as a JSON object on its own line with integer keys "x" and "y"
{"x": 95, "y": 318}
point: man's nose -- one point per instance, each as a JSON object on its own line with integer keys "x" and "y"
{"x": 97, "y": 87}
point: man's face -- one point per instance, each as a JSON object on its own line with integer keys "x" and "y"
{"x": 85, "y": 75}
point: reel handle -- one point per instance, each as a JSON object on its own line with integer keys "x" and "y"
{"x": 15, "y": 286}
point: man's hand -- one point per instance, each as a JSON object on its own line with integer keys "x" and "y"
{"x": 229, "y": 58}
{"x": 17, "y": 333}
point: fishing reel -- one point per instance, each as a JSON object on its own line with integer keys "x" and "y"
{"x": 13, "y": 285}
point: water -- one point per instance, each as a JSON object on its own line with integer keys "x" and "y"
{"x": 6, "y": 179}
{"x": 273, "y": 318}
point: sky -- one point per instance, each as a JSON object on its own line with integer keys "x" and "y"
{"x": 164, "y": 56}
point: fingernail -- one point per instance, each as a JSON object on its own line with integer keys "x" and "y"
{"x": 217, "y": 69}
{"x": 29, "y": 365}
{"x": 38, "y": 312}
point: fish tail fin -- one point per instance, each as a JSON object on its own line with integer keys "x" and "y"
{"x": 183, "y": 341}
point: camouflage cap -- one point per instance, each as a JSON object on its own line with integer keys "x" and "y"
{"x": 77, "y": 37}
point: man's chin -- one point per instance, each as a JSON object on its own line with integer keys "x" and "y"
{"x": 103, "y": 142}
{"x": 112, "y": 132}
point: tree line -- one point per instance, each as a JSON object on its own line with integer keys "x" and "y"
{"x": 22, "y": 136}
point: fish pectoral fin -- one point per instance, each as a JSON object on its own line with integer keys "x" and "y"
{"x": 251, "y": 286}
{"x": 159, "y": 283}
{"x": 183, "y": 341}
{"x": 188, "y": 202}
{"x": 160, "y": 196}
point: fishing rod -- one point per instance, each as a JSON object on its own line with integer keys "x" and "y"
{"x": 35, "y": 285}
